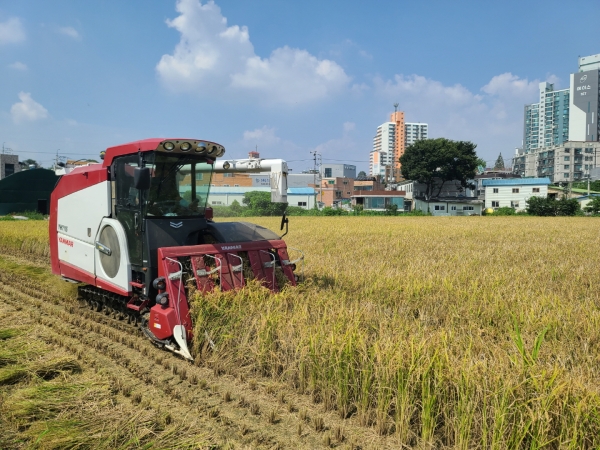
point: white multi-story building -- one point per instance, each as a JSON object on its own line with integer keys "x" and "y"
{"x": 383, "y": 148}
{"x": 415, "y": 132}
{"x": 513, "y": 192}
{"x": 567, "y": 162}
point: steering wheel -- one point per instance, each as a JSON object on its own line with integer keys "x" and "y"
{"x": 167, "y": 206}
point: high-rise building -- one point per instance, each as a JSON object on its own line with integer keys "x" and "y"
{"x": 584, "y": 105}
{"x": 567, "y": 114}
{"x": 547, "y": 122}
{"x": 415, "y": 132}
{"x": 383, "y": 149}
{"x": 397, "y": 117}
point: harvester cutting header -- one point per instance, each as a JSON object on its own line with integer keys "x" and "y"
{"x": 136, "y": 230}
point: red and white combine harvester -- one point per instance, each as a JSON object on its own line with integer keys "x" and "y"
{"x": 135, "y": 231}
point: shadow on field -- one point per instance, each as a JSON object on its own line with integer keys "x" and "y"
{"x": 319, "y": 281}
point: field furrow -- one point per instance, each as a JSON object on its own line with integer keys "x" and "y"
{"x": 234, "y": 411}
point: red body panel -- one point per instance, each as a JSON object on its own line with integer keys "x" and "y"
{"x": 75, "y": 273}
{"x": 145, "y": 145}
{"x": 258, "y": 253}
{"x": 162, "y": 321}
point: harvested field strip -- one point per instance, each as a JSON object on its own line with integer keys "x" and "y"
{"x": 61, "y": 404}
{"x": 228, "y": 409}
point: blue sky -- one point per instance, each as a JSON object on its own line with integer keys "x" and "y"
{"x": 289, "y": 77}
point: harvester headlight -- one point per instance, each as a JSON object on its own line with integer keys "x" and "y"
{"x": 168, "y": 146}
{"x": 102, "y": 154}
{"x": 213, "y": 150}
{"x": 159, "y": 284}
{"x": 226, "y": 165}
{"x": 185, "y": 146}
{"x": 162, "y": 299}
{"x": 221, "y": 152}
{"x": 201, "y": 148}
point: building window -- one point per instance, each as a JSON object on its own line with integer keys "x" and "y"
{"x": 565, "y": 175}
{"x": 301, "y": 203}
{"x": 495, "y": 190}
{"x": 468, "y": 208}
{"x": 348, "y": 193}
{"x": 536, "y": 190}
{"x": 514, "y": 204}
{"x": 228, "y": 175}
{"x": 331, "y": 181}
{"x": 199, "y": 176}
{"x": 225, "y": 185}
{"x": 328, "y": 172}
{"x": 9, "y": 169}
{"x": 217, "y": 203}
{"x": 515, "y": 190}
{"x": 566, "y": 167}
{"x": 453, "y": 208}
{"x": 567, "y": 158}
{"x": 440, "y": 208}
{"x": 236, "y": 185}
{"x": 495, "y": 204}
{"x": 567, "y": 150}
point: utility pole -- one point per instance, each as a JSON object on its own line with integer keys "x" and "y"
{"x": 316, "y": 154}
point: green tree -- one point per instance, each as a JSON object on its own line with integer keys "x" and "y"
{"x": 499, "y": 162}
{"x": 481, "y": 164}
{"x": 539, "y": 206}
{"x": 362, "y": 174}
{"x": 236, "y": 208}
{"x": 31, "y": 162}
{"x": 434, "y": 162}
{"x": 593, "y": 206}
{"x": 260, "y": 204}
{"x": 594, "y": 185}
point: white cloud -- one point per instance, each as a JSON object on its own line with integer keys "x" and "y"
{"x": 269, "y": 145}
{"x": 27, "y": 110}
{"x": 214, "y": 58}
{"x": 264, "y": 136}
{"x": 349, "y": 126}
{"x": 70, "y": 32}
{"x": 341, "y": 148}
{"x": 17, "y": 65}
{"x": 491, "y": 118}
{"x": 11, "y": 31}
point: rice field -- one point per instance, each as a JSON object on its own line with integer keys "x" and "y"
{"x": 474, "y": 332}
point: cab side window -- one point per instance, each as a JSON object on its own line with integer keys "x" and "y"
{"x": 127, "y": 196}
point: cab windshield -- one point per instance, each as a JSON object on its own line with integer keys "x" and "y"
{"x": 179, "y": 184}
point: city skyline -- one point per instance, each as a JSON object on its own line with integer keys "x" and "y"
{"x": 289, "y": 79}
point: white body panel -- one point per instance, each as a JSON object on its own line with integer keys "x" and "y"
{"x": 75, "y": 252}
{"x": 80, "y": 213}
{"x": 123, "y": 276}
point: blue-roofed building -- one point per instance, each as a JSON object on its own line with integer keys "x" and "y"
{"x": 303, "y": 197}
{"x": 513, "y": 192}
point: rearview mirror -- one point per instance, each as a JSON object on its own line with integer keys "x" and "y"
{"x": 284, "y": 220}
{"x": 141, "y": 178}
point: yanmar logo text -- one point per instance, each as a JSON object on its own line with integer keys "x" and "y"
{"x": 231, "y": 247}
{"x": 65, "y": 241}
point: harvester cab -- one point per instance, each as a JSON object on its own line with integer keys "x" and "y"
{"x": 136, "y": 232}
